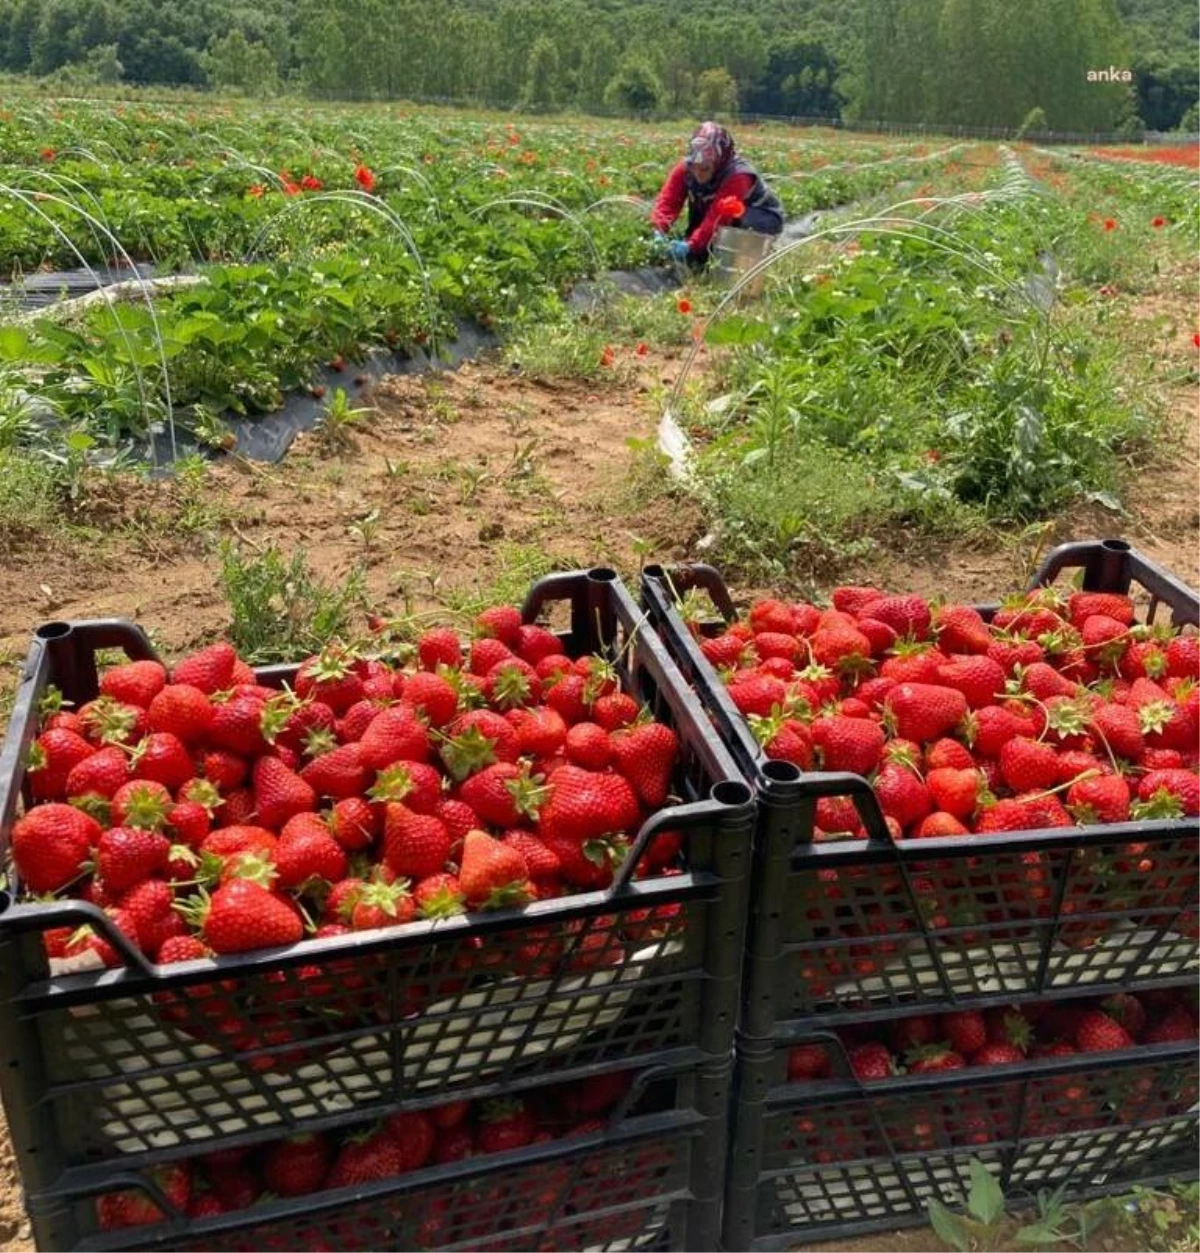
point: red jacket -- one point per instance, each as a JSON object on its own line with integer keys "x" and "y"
{"x": 673, "y": 197}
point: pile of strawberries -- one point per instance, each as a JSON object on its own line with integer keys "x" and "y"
{"x": 233, "y": 1179}
{"x": 1060, "y": 710}
{"x": 969, "y": 1039}
{"x": 207, "y": 814}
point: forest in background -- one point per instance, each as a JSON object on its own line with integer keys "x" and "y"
{"x": 993, "y": 63}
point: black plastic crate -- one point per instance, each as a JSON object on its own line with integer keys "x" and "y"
{"x": 129, "y": 1063}
{"x": 837, "y": 926}
{"x": 650, "y": 1178}
{"x": 829, "y": 1159}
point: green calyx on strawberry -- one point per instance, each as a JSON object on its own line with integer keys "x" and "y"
{"x": 467, "y": 753}
{"x": 491, "y": 874}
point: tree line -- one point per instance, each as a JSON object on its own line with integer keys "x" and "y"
{"x": 962, "y": 62}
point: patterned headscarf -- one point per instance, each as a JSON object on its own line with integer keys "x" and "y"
{"x": 710, "y": 144}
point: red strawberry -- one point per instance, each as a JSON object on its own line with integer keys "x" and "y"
{"x": 432, "y": 696}
{"x": 337, "y": 774}
{"x": 458, "y": 816}
{"x": 332, "y": 677}
{"x": 53, "y": 756}
{"x": 932, "y": 1058}
{"x": 306, "y": 850}
{"x": 536, "y": 643}
{"x": 908, "y": 616}
{"x": 756, "y": 693}
{"x": 237, "y": 726}
{"x": 938, "y": 825}
{"x": 353, "y": 823}
{"x": 439, "y": 647}
{"x": 183, "y": 710}
{"x": 902, "y": 795}
{"x": 512, "y": 684}
{"x": 1176, "y": 1026}
{"x": 279, "y": 793}
{"x": 646, "y": 756}
{"x": 140, "y": 803}
{"x": 413, "y": 783}
{"x": 955, "y": 791}
{"x": 243, "y": 916}
{"x": 540, "y": 860}
{"x": 540, "y": 732}
{"x": 135, "y": 682}
{"x": 1098, "y": 1033}
{"x": 414, "y": 845}
{"x": 395, "y": 734}
{"x": 808, "y": 1061}
{"x": 1029, "y": 765}
{"x": 569, "y": 698}
{"x": 108, "y": 721}
{"x": 997, "y": 1054}
{"x": 979, "y": 678}
{"x": 946, "y": 754}
{"x": 1043, "y": 681}
{"x": 790, "y": 741}
{"x": 298, "y": 1165}
{"x": 584, "y": 804}
{"x": 1100, "y": 799}
{"x": 852, "y": 744}
{"x": 100, "y": 774}
{"x": 842, "y": 648}
{"x": 871, "y": 1061}
{"x": 50, "y": 844}
{"x": 989, "y": 729}
{"x": 1118, "y": 727}
{"x": 155, "y": 922}
{"x": 1169, "y": 793}
{"x": 1083, "y": 605}
{"x": 226, "y": 771}
{"x": 854, "y": 599}
{"x": 162, "y": 758}
{"x": 504, "y": 1125}
{"x": 414, "y": 1135}
{"x": 487, "y": 653}
{"x": 723, "y": 651}
{"x": 492, "y": 874}
{"x": 966, "y": 1031}
{"x": 439, "y": 896}
{"x": 588, "y": 745}
{"x": 924, "y": 711}
{"x": 960, "y": 629}
{"x": 504, "y": 794}
{"x": 479, "y": 738}
{"x": 1183, "y": 656}
{"x": 882, "y": 637}
{"x": 210, "y": 669}
{"x": 1127, "y": 1010}
{"x": 136, "y": 1208}
{"x": 365, "y": 1160}
{"x": 380, "y": 904}
{"x": 617, "y": 709}
{"x": 125, "y": 856}
{"x": 502, "y": 621}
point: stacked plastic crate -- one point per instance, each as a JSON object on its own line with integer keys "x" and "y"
{"x": 142, "y": 1118}
{"x": 858, "y": 949}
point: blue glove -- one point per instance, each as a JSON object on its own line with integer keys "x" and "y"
{"x": 679, "y": 250}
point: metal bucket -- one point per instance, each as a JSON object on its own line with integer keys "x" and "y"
{"x": 736, "y": 252}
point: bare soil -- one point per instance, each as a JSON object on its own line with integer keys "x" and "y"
{"x": 471, "y": 470}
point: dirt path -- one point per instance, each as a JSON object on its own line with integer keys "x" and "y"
{"x": 480, "y": 474}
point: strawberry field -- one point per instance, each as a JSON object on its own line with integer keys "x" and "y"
{"x": 374, "y": 890}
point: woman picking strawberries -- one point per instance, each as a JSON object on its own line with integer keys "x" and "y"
{"x": 719, "y": 188}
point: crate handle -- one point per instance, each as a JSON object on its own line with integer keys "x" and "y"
{"x": 699, "y": 813}
{"x": 691, "y": 575}
{"x": 42, "y": 916}
{"x": 66, "y": 650}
